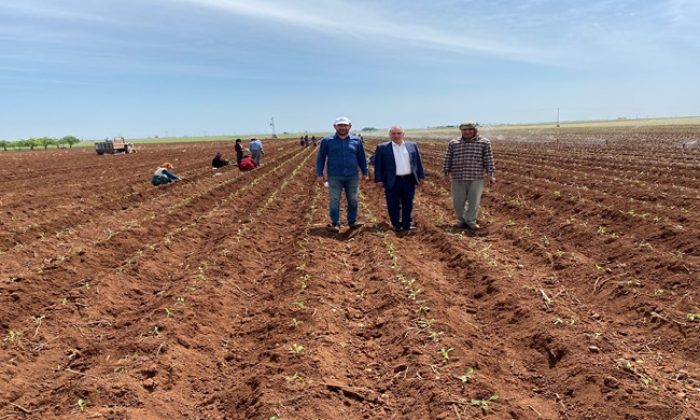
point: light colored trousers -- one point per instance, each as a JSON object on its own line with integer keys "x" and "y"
{"x": 256, "y": 154}
{"x": 467, "y": 191}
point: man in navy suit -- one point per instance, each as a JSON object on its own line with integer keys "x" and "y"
{"x": 398, "y": 168}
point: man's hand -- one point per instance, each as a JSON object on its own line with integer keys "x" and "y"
{"x": 379, "y": 184}
{"x": 365, "y": 177}
{"x": 320, "y": 179}
{"x": 492, "y": 179}
{"x": 446, "y": 179}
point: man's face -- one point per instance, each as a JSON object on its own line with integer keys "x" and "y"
{"x": 342, "y": 129}
{"x": 468, "y": 132}
{"x": 396, "y": 135}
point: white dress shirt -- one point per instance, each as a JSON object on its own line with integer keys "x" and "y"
{"x": 402, "y": 159}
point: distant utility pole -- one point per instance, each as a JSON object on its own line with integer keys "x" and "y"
{"x": 557, "y": 117}
{"x": 272, "y": 124}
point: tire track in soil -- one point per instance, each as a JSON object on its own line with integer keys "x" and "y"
{"x": 133, "y": 321}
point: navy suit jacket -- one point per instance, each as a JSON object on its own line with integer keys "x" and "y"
{"x": 385, "y": 165}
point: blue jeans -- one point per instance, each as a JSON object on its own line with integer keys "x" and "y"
{"x": 336, "y": 185}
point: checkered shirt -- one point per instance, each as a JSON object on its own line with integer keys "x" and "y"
{"x": 468, "y": 160}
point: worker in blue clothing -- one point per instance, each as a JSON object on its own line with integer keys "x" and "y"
{"x": 256, "y": 150}
{"x": 343, "y": 155}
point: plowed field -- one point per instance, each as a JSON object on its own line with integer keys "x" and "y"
{"x": 223, "y": 296}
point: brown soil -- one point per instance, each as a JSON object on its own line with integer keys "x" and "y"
{"x": 223, "y": 296}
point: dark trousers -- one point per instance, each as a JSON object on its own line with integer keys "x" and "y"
{"x": 239, "y": 156}
{"x": 399, "y": 201}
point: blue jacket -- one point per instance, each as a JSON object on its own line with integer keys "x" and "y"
{"x": 344, "y": 156}
{"x": 385, "y": 165}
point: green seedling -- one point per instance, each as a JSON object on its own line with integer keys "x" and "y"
{"x": 628, "y": 366}
{"x": 296, "y": 349}
{"x": 484, "y": 404}
{"x": 155, "y": 330}
{"x": 435, "y": 336}
{"x": 168, "y": 312}
{"x": 467, "y": 375}
{"x": 180, "y": 300}
{"x": 13, "y": 336}
{"x": 425, "y": 323}
{"x": 64, "y": 301}
{"x": 693, "y": 316}
{"x": 201, "y": 272}
{"x": 295, "y": 378}
{"x": 602, "y": 268}
{"x": 304, "y": 280}
{"x": 423, "y": 308}
{"x": 81, "y": 404}
{"x": 445, "y": 352}
{"x": 300, "y": 304}
{"x": 295, "y": 323}
{"x": 658, "y": 292}
{"x": 413, "y": 293}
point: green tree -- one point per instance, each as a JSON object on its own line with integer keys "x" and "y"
{"x": 70, "y": 141}
{"x": 4, "y": 144}
{"x": 31, "y": 143}
{"x": 46, "y": 142}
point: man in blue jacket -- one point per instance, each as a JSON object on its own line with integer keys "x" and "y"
{"x": 345, "y": 155}
{"x": 398, "y": 169}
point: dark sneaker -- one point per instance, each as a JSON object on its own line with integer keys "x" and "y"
{"x": 473, "y": 227}
{"x": 461, "y": 225}
{"x": 355, "y": 225}
{"x": 412, "y": 227}
{"x": 396, "y": 229}
{"x": 333, "y": 228}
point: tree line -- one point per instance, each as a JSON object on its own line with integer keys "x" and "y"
{"x": 37, "y": 143}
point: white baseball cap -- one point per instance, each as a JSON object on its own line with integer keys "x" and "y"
{"x": 342, "y": 120}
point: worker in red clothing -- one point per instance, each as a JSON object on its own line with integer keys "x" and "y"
{"x": 247, "y": 164}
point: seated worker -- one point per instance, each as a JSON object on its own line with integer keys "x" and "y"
{"x": 162, "y": 175}
{"x": 247, "y": 163}
{"x": 218, "y": 161}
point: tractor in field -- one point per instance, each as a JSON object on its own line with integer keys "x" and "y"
{"x": 115, "y": 145}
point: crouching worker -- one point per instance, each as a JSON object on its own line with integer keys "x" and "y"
{"x": 247, "y": 163}
{"x": 162, "y": 175}
{"x": 218, "y": 161}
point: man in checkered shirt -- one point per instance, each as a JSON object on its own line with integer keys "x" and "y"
{"x": 467, "y": 159}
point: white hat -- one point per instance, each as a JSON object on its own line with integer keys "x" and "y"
{"x": 342, "y": 120}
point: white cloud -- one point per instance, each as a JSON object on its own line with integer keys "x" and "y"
{"x": 343, "y": 19}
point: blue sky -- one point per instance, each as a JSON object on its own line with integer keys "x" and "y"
{"x": 193, "y": 67}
